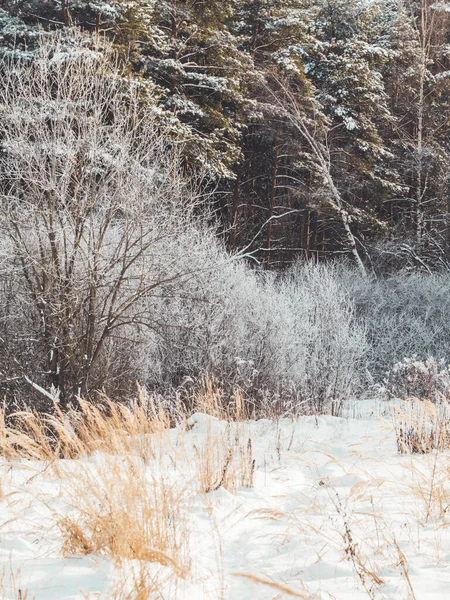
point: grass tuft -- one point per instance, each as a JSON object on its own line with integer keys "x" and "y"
{"x": 423, "y": 426}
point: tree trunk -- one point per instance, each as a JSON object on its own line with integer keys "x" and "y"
{"x": 345, "y": 219}
{"x": 235, "y": 213}
{"x": 308, "y": 233}
{"x": 255, "y": 32}
{"x": 297, "y": 118}
{"x": 65, "y": 12}
{"x": 419, "y": 216}
{"x": 272, "y": 203}
{"x": 174, "y": 20}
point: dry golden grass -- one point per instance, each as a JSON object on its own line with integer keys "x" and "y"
{"x": 118, "y": 503}
{"x": 118, "y": 510}
{"x": 140, "y": 583}
{"x": 422, "y": 426}
{"x": 279, "y": 587}
{"x": 121, "y": 502}
{"x": 13, "y": 587}
{"x": 210, "y": 399}
{"x": 109, "y": 427}
{"x": 430, "y": 488}
{"x": 224, "y": 460}
{"x": 365, "y": 572}
{"x": 403, "y": 565}
{"x": 113, "y": 461}
{"x": 104, "y": 427}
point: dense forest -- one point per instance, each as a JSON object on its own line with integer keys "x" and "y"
{"x": 322, "y": 126}
{"x": 250, "y": 192}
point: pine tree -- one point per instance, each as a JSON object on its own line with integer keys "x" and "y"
{"x": 196, "y": 62}
{"x": 344, "y": 63}
{"x": 272, "y": 177}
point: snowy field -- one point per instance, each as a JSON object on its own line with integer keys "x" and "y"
{"x": 320, "y": 508}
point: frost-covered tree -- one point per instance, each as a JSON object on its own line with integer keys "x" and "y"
{"x": 418, "y": 83}
{"x": 94, "y": 218}
{"x": 275, "y": 158}
{"x": 344, "y": 62}
{"x": 196, "y": 62}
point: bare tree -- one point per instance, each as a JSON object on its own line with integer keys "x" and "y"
{"x": 431, "y": 19}
{"x": 92, "y": 208}
{"x": 314, "y": 134}
{"x": 421, "y": 119}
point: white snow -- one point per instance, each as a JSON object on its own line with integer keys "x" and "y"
{"x": 335, "y": 514}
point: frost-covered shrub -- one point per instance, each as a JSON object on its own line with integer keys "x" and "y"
{"x": 404, "y": 315}
{"x": 110, "y": 274}
{"x": 324, "y": 345}
{"x": 413, "y": 378}
{"x": 292, "y": 338}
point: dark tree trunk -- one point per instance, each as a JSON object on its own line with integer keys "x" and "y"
{"x": 273, "y": 187}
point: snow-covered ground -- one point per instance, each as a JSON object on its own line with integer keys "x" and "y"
{"x": 334, "y": 513}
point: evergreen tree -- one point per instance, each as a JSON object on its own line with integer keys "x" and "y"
{"x": 344, "y": 62}
{"x": 194, "y": 59}
{"x": 275, "y": 175}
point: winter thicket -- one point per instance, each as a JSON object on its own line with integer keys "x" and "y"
{"x": 109, "y": 275}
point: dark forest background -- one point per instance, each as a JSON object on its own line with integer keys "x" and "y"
{"x": 238, "y": 83}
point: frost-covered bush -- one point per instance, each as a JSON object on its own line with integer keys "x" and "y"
{"x": 293, "y": 339}
{"x": 413, "y": 378}
{"x": 332, "y": 341}
{"x": 110, "y": 276}
{"x": 404, "y": 315}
